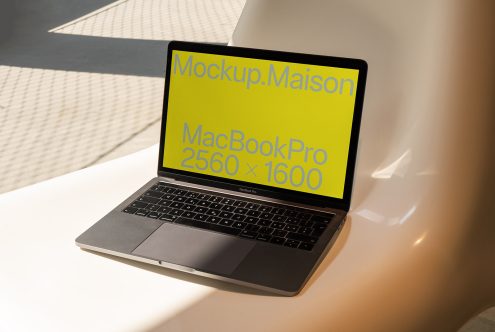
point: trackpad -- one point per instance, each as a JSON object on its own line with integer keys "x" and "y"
{"x": 201, "y": 250}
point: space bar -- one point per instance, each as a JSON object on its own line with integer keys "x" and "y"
{"x": 205, "y": 225}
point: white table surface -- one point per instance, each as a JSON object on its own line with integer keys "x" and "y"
{"x": 47, "y": 283}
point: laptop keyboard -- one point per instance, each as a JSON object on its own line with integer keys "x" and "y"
{"x": 251, "y": 219}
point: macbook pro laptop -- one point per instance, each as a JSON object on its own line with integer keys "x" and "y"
{"x": 255, "y": 171}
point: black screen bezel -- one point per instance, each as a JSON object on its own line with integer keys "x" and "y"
{"x": 273, "y": 192}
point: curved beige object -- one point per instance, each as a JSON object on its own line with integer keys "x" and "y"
{"x": 419, "y": 251}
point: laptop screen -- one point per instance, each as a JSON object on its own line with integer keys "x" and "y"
{"x": 273, "y": 123}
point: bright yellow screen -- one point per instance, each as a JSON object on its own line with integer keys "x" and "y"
{"x": 274, "y": 123}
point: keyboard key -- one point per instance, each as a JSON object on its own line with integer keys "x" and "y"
{"x": 207, "y": 226}
{"x": 279, "y": 218}
{"x": 192, "y": 201}
{"x": 318, "y": 229}
{"x": 322, "y": 219}
{"x": 216, "y": 206}
{"x": 240, "y": 210}
{"x": 168, "y": 217}
{"x": 226, "y": 222}
{"x": 142, "y": 212}
{"x": 265, "y": 208}
{"x": 277, "y": 211}
{"x": 164, "y": 209}
{"x": 192, "y": 194}
{"x": 130, "y": 210}
{"x": 278, "y": 225}
{"x": 305, "y": 223}
{"x": 228, "y": 201}
{"x": 253, "y": 228}
{"x": 180, "y": 198}
{"x": 176, "y": 212}
{"x": 266, "y": 215}
{"x": 280, "y": 233}
{"x": 168, "y": 197}
{"x": 252, "y": 206}
{"x": 212, "y": 212}
{"x": 176, "y": 205}
{"x": 139, "y": 205}
{"x": 203, "y": 197}
{"x": 291, "y": 243}
{"x": 291, "y": 213}
{"x": 164, "y": 202}
{"x": 277, "y": 240}
{"x": 189, "y": 214}
{"x": 153, "y": 207}
{"x": 154, "y": 215}
{"x": 188, "y": 207}
{"x": 225, "y": 214}
{"x": 263, "y": 237}
{"x": 253, "y": 213}
{"x": 213, "y": 220}
{"x": 238, "y": 224}
{"x": 302, "y": 238}
{"x": 200, "y": 209}
{"x": 265, "y": 230}
{"x": 291, "y": 228}
{"x": 238, "y": 217}
{"x": 292, "y": 220}
{"x": 169, "y": 190}
{"x": 248, "y": 234}
{"x": 152, "y": 193}
{"x": 264, "y": 222}
{"x": 239, "y": 204}
{"x": 228, "y": 208}
{"x": 204, "y": 203}
{"x": 215, "y": 199}
{"x": 305, "y": 246}
{"x": 148, "y": 199}
{"x": 251, "y": 220}
{"x": 181, "y": 192}
{"x": 305, "y": 230}
{"x": 304, "y": 216}
{"x": 201, "y": 217}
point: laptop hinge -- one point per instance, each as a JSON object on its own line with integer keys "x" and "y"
{"x": 166, "y": 178}
{"x": 213, "y": 187}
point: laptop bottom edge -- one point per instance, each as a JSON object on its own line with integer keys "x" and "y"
{"x": 200, "y": 273}
{"x": 186, "y": 269}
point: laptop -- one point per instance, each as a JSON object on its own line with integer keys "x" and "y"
{"x": 255, "y": 172}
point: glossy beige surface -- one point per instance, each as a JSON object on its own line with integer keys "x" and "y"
{"x": 420, "y": 250}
